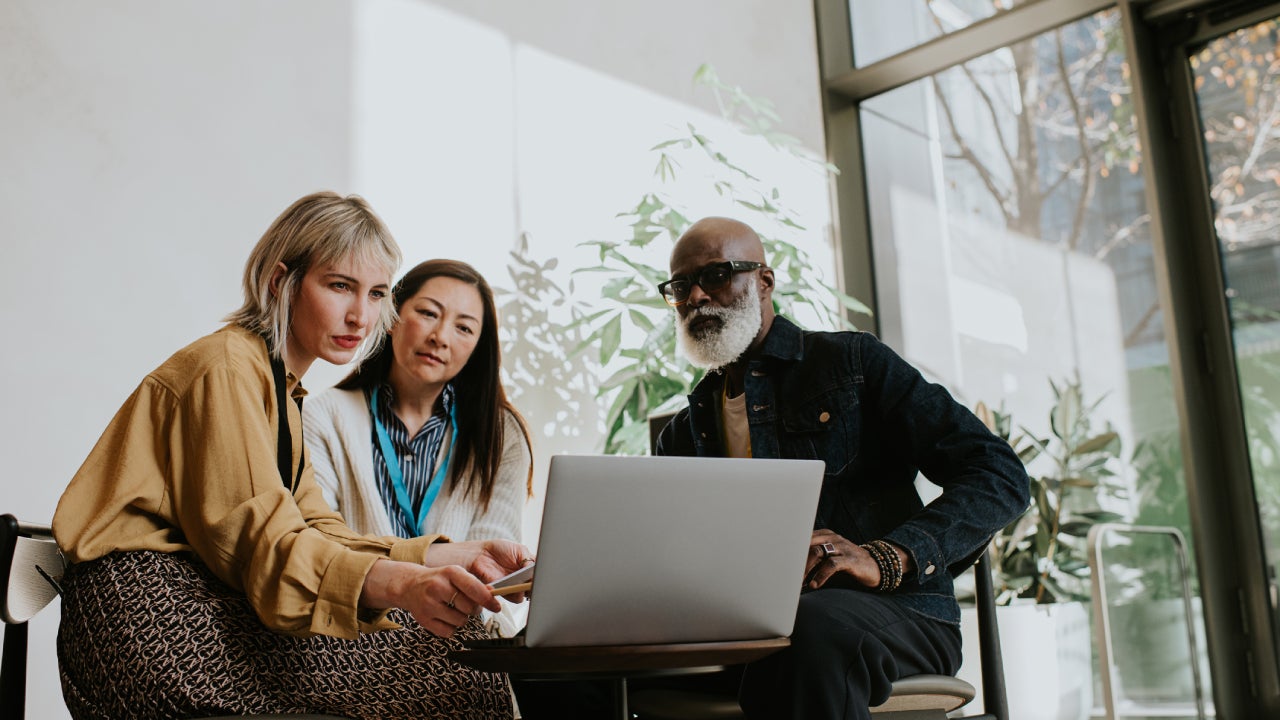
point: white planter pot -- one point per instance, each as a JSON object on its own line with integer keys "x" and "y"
{"x": 1048, "y": 664}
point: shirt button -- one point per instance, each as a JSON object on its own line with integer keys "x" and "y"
{"x": 825, "y": 416}
{"x": 758, "y": 408}
{"x": 929, "y": 569}
{"x": 704, "y": 436}
{"x": 757, "y": 373}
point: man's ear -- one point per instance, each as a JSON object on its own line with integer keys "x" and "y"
{"x": 766, "y": 283}
{"x": 277, "y": 277}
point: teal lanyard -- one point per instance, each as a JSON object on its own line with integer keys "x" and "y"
{"x": 392, "y": 461}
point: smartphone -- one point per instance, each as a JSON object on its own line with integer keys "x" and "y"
{"x": 524, "y": 574}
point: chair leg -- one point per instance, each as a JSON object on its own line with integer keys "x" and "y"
{"x": 13, "y": 671}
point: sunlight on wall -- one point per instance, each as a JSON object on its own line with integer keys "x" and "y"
{"x": 152, "y": 158}
{"x": 432, "y": 114}
{"x": 510, "y": 139}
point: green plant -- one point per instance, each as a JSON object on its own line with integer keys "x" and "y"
{"x": 649, "y": 377}
{"x": 1041, "y": 555}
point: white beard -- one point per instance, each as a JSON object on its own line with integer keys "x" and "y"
{"x": 718, "y": 346}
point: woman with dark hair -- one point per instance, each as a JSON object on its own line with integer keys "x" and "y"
{"x": 209, "y": 576}
{"x": 420, "y": 438}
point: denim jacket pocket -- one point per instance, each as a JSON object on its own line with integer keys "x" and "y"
{"x": 824, "y": 425}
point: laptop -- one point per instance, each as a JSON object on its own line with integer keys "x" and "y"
{"x": 659, "y": 550}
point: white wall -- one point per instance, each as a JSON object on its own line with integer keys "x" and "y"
{"x": 146, "y": 144}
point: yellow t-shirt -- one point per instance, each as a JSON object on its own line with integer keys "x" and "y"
{"x": 189, "y": 464}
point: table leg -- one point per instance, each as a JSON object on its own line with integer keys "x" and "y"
{"x": 619, "y": 688}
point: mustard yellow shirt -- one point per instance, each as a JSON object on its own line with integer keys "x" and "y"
{"x": 189, "y": 464}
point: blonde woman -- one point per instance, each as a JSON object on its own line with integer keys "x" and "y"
{"x": 209, "y": 576}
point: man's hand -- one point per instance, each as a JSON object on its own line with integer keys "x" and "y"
{"x": 847, "y": 557}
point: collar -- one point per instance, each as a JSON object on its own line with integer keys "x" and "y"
{"x": 294, "y": 384}
{"x": 784, "y": 341}
{"x": 387, "y": 394}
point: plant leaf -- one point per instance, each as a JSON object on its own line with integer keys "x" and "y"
{"x": 610, "y": 337}
{"x": 1097, "y": 443}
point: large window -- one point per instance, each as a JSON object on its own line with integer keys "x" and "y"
{"x": 1010, "y": 231}
{"x": 1007, "y": 219}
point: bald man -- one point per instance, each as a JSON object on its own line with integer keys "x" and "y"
{"x": 878, "y": 602}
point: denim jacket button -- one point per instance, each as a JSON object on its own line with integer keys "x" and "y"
{"x": 929, "y": 569}
{"x": 825, "y": 416}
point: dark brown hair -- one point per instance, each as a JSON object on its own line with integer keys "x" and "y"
{"x": 480, "y": 399}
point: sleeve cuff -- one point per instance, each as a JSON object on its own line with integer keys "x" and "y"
{"x": 926, "y": 556}
{"x": 337, "y": 611}
{"x": 414, "y": 550}
{"x": 337, "y": 608}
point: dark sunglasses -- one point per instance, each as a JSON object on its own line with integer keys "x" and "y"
{"x": 710, "y": 278}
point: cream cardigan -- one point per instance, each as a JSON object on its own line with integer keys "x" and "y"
{"x": 339, "y": 434}
{"x": 338, "y": 431}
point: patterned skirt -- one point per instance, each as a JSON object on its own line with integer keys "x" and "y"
{"x": 156, "y": 635}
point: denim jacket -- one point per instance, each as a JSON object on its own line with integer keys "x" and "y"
{"x": 847, "y": 399}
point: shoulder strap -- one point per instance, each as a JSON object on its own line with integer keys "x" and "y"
{"x": 284, "y": 439}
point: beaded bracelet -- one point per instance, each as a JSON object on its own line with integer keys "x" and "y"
{"x": 897, "y": 564}
{"x": 889, "y": 562}
{"x": 895, "y": 560}
{"x": 886, "y": 559}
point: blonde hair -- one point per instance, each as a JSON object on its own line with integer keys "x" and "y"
{"x": 320, "y": 229}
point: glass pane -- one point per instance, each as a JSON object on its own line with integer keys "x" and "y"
{"x": 1237, "y": 78}
{"x": 1014, "y": 264}
{"x": 881, "y": 29}
{"x": 1152, "y": 660}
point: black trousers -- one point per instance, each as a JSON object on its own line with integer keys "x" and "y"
{"x": 848, "y": 648}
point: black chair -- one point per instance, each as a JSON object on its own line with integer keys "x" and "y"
{"x": 30, "y": 568}
{"x": 921, "y": 697}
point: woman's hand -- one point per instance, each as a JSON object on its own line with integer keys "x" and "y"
{"x": 486, "y": 559}
{"x": 440, "y": 599}
{"x": 830, "y": 553}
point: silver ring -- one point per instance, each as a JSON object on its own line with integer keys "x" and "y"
{"x": 450, "y": 603}
{"x": 828, "y": 550}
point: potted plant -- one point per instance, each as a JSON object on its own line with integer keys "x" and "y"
{"x": 1040, "y": 563}
{"x": 1041, "y": 555}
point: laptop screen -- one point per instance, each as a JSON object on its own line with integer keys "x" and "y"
{"x": 644, "y": 550}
